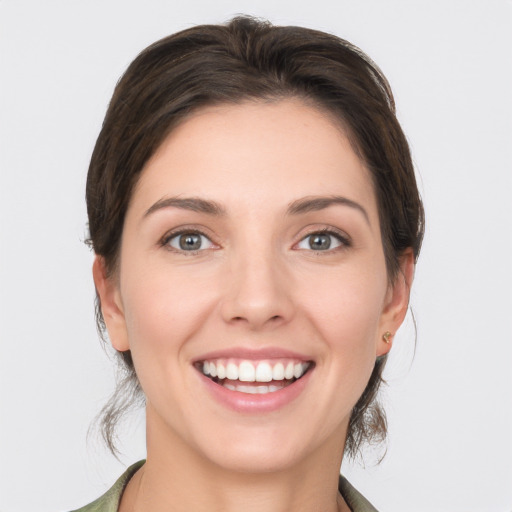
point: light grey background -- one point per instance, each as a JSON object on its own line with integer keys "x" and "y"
{"x": 450, "y": 411}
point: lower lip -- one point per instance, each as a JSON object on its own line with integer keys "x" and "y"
{"x": 258, "y": 403}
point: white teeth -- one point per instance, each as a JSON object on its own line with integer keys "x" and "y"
{"x": 221, "y": 371}
{"x": 278, "y": 372}
{"x": 264, "y": 372}
{"x": 232, "y": 371}
{"x": 246, "y": 389}
{"x": 250, "y": 371}
{"x": 288, "y": 373}
{"x": 246, "y": 372}
{"x": 253, "y": 390}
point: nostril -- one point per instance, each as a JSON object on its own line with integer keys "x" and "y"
{"x": 272, "y": 318}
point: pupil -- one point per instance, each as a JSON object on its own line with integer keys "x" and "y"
{"x": 320, "y": 242}
{"x": 190, "y": 242}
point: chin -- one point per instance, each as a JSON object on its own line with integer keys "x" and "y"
{"x": 271, "y": 448}
{"x": 256, "y": 458}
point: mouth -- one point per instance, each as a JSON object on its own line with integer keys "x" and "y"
{"x": 254, "y": 377}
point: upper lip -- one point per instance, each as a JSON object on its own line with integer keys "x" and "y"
{"x": 253, "y": 354}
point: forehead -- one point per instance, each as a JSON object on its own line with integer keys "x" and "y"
{"x": 256, "y": 153}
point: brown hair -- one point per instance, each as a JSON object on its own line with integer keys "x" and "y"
{"x": 243, "y": 60}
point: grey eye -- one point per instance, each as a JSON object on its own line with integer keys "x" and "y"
{"x": 320, "y": 242}
{"x": 190, "y": 242}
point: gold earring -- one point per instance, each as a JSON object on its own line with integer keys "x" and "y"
{"x": 387, "y": 337}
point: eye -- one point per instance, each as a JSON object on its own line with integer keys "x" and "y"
{"x": 189, "y": 241}
{"x": 323, "y": 241}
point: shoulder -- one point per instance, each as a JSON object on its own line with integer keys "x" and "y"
{"x": 354, "y": 499}
{"x": 109, "y": 502}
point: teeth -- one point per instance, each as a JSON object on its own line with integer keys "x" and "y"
{"x": 221, "y": 371}
{"x": 263, "y": 372}
{"x": 246, "y": 372}
{"x": 252, "y": 371}
{"x": 278, "y": 372}
{"x": 253, "y": 390}
{"x": 232, "y": 371}
{"x": 247, "y": 389}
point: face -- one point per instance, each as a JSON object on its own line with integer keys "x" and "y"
{"x": 252, "y": 288}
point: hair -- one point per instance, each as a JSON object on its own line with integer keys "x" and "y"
{"x": 246, "y": 60}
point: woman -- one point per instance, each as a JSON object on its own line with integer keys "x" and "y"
{"x": 256, "y": 221}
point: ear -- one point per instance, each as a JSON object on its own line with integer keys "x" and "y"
{"x": 397, "y": 302}
{"x": 108, "y": 292}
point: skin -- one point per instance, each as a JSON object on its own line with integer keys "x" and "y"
{"x": 255, "y": 283}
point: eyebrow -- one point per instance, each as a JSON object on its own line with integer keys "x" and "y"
{"x": 317, "y": 203}
{"x": 194, "y": 204}
{"x": 300, "y": 206}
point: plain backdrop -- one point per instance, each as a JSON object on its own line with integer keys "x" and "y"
{"x": 450, "y": 406}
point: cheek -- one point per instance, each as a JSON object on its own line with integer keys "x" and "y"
{"x": 347, "y": 317}
{"x": 346, "y": 310}
{"x": 163, "y": 311}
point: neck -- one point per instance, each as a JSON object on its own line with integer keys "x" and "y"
{"x": 176, "y": 478}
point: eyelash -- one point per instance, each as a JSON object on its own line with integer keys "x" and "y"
{"x": 344, "y": 240}
{"x": 164, "y": 242}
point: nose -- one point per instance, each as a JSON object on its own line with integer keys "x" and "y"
{"x": 258, "y": 291}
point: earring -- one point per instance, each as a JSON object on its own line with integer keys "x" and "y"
{"x": 387, "y": 337}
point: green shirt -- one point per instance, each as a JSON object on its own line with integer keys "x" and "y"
{"x": 109, "y": 502}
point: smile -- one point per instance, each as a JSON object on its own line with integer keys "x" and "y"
{"x": 254, "y": 377}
